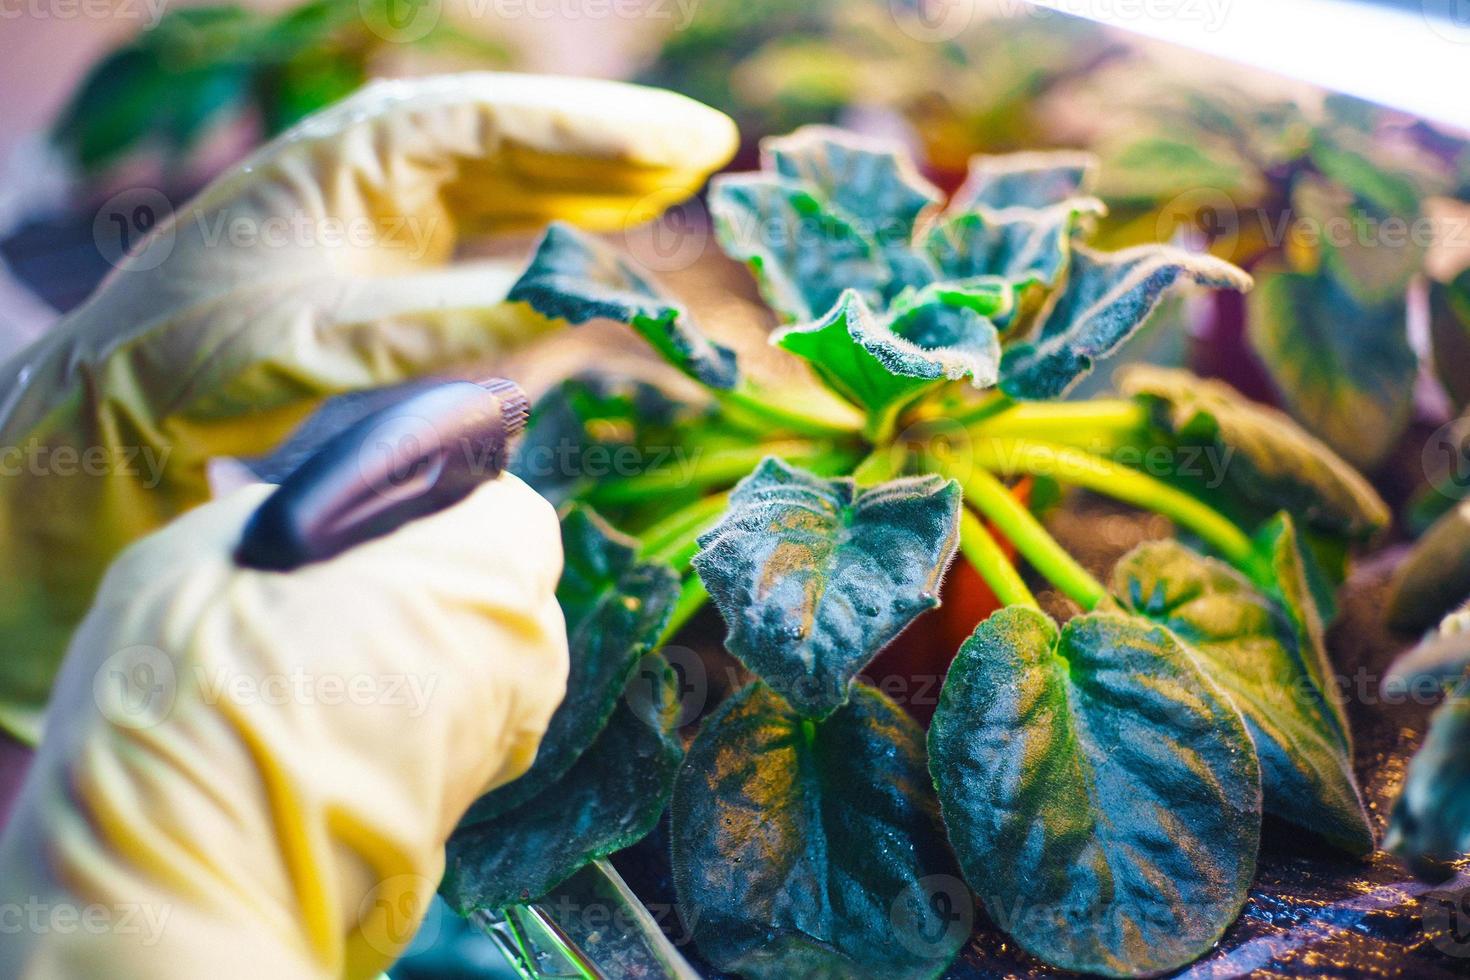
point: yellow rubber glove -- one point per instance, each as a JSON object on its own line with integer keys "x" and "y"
{"x": 321, "y": 264}
{"x": 252, "y": 774}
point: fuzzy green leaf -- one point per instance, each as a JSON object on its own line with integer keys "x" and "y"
{"x": 615, "y": 607}
{"x": 1265, "y": 456}
{"x": 610, "y": 799}
{"x": 575, "y": 278}
{"x": 875, "y": 364}
{"x": 1345, "y": 370}
{"x": 1022, "y": 246}
{"x": 803, "y": 255}
{"x": 1106, "y": 298}
{"x": 1436, "y": 576}
{"x": 1101, "y": 792}
{"x": 1025, "y": 180}
{"x": 862, "y": 178}
{"x": 806, "y": 849}
{"x": 813, "y": 577}
{"x": 1248, "y": 646}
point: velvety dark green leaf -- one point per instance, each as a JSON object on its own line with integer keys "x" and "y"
{"x": 1102, "y": 793}
{"x": 1431, "y": 819}
{"x": 1249, "y": 648}
{"x": 610, "y": 799}
{"x": 1449, "y": 330}
{"x": 1022, "y": 246}
{"x": 1025, "y": 180}
{"x": 814, "y": 577}
{"x": 615, "y": 607}
{"x": 870, "y": 183}
{"x": 1436, "y": 576}
{"x": 862, "y": 178}
{"x": 579, "y": 428}
{"x": 803, "y": 255}
{"x": 814, "y": 849}
{"x": 1271, "y": 461}
{"x": 1346, "y": 371}
{"x": 1106, "y": 297}
{"x": 574, "y": 277}
{"x": 874, "y": 363}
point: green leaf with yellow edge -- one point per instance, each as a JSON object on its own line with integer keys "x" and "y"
{"x": 1344, "y": 370}
{"x": 1286, "y": 574}
{"x": 813, "y": 849}
{"x": 814, "y": 577}
{"x": 1096, "y": 780}
{"x": 1106, "y": 298}
{"x": 1248, "y": 646}
{"x": 1265, "y": 456}
{"x": 574, "y": 277}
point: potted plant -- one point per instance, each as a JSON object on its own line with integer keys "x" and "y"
{"x": 1100, "y": 782}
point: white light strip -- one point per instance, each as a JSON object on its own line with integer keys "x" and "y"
{"x": 1415, "y": 58}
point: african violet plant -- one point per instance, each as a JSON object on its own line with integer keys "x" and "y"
{"x": 1099, "y": 783}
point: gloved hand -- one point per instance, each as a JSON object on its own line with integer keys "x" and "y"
{"x": 252, "y": 774}
{"x": 320, "y": 265}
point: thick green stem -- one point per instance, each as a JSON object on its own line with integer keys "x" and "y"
{"x": 984, "y": 553}
{"x": 881, "y": 465}
{"x": 989, "y": 496}
{"x": 714, "y": 468}
{"x": 743, "y": 401}
{"x": 692, "y": 597}
{"x": 1097, "y": 425}
{"x": 989, "y": 406}
{"x": 1077, "y": 468}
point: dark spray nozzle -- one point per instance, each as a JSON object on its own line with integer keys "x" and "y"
{"x": 409, "y": 460}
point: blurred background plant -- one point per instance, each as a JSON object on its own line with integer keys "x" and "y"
{"x": 202, "y": 66}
